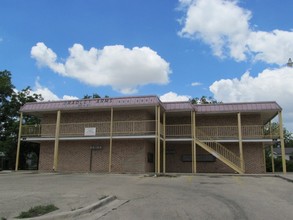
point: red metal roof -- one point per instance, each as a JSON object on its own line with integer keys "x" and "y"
{"x": 238, "y": 107}
{"x": 148, "y": 101}
{"x": 178, "y": 106}
{"x": 90, "y": 103}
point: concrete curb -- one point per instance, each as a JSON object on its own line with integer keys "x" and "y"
{"x": 75, "y": 213}
{"x": 285, "y": 178}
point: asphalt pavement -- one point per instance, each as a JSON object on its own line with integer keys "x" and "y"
{"x": 148, "y": 197}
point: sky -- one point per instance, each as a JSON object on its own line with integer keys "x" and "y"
{"x": 232, "y": 50}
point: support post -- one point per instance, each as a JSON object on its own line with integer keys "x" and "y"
{"x": 282, "y": 142}
{"x": 272, "y": 158}
{"x": 18, "y": 142}
{"x": 193, "y": 143}
{"x": 272, "y": 148}
{"x": 156, "y": 139}
{"x": 56, "y": 144}
{"x": 264, "y": 156}
{"x": 240, "y": 141}
{"x": 111, "y": 141}
{"x": 164, "y": 142}
{"x": 159, "y": 139}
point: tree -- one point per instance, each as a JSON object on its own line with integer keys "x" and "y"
{"x": 288, "y": 140}
{"x": 204, "y": 100}
{"x": 10, "y": 103}
{"x": 94, "y": 96}
{"x": 274, "y": 129}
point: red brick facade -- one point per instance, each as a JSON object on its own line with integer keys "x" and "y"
{"x": 253, "y": 157}
{"x": 128, "y": 156}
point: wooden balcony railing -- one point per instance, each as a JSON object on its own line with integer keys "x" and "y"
{"x": 148, "y": 127}
{"x": 183, "y": 130}
{"x": 221, "y": 132}
{"x": 120, "y": 128}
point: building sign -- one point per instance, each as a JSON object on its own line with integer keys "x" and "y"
{"x": 96, "y": 147}
{"x": 89, "y": 131}
{"x": 87, "y": 102}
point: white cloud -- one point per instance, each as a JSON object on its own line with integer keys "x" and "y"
{"x": 196, "y": 84}
{"x": 218, "y": 23}
{"x": 271, "y": 47}
{"x": 225, "y": 27}
{"x": 46, "y": 57}
{"x": 172, "y": 97}
{"x": 69, "y": 97}
{"x": 269, "y": 85}
{"x": 47, "y": 94}
{"x": 122, "y": 68}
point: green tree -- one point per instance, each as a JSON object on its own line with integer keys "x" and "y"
{"x": 204, "y": 100}
{"x": 288, "y": 140}
{"x": 274, "y": 129}
{"x": 94, "y": 96}
{"x": 10, "y": 103}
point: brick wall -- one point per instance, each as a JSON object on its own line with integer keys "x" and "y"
{"x": 217, "y": 120}
{"x": 74, "y": 156}
{"x": 253, "y": 157}
{"x": 132, "y": 115}
{"x": 46, "y": 156}
{"x": 149, "y": 149}
{"x": 100, "y": 158}
{"x": 98, "y": 116}
{"x": 132, "y": 155}
{"x": 173, "y": 158}
{"x": 128, "y": 156}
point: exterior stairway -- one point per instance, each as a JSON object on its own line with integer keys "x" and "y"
{"x": 221, "y": 152}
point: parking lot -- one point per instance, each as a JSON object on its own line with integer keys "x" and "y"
{"x": 181, "y": 197}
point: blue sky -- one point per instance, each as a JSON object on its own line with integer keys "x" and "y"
{"x": 232, "y": 50}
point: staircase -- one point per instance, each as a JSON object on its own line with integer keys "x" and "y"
{"x": 220, "y": 152}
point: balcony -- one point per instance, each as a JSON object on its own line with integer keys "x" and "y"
{"x": 147, "y": 127}
{"x": 221, "y": 132}
{"x": 98, "y": 129}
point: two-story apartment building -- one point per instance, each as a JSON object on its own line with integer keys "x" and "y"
{"x": 142, "y": 134}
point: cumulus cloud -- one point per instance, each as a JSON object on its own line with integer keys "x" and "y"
{"x": 46, "y": 57}
{"x": 271, "y": 47}
{"x": 47, "y": 94}
{"x": 269, "y": 85}
{"x": 172, "y": 97}
{"x": 225, "y": 27}
{"x": 122, "y": 68}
